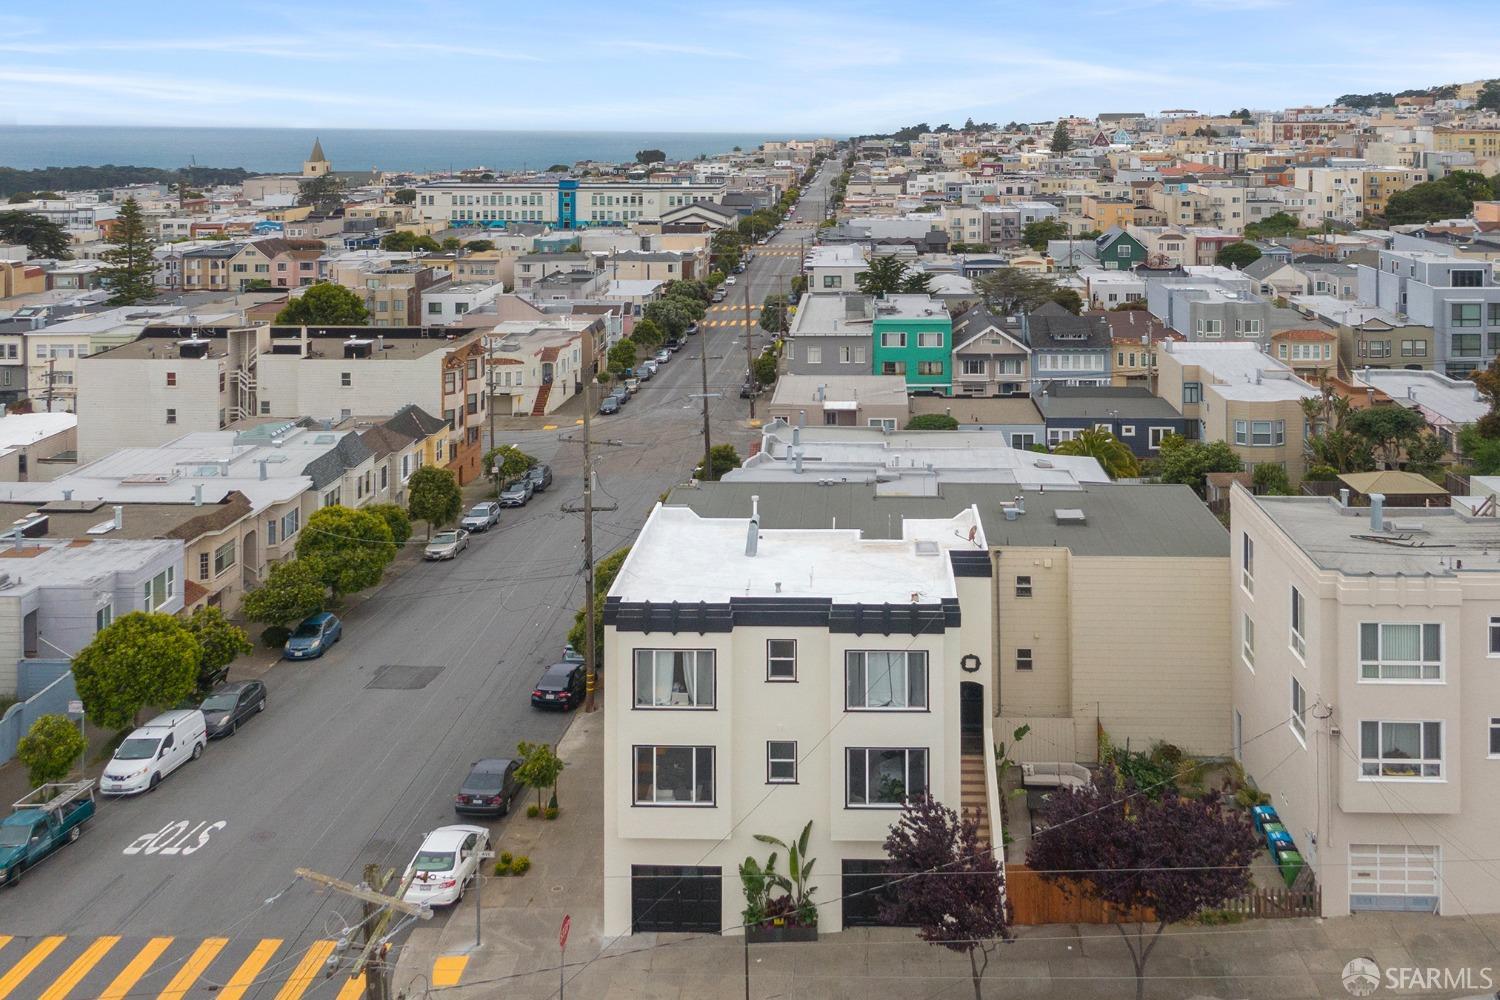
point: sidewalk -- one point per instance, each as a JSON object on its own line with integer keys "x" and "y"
{"x": 518, "y": 960}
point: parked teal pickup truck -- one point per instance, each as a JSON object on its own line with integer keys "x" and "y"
{"x": 41, "y": 822}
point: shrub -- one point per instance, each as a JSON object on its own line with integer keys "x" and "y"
{"x": 50, "y": 748}
{"x": 522, "y": 865}
{"x": 552, "y": 812}
{"x": 502, "y": 868}
{"x": 1249, "y": 797}
{"x": 1320, "y": 473}
{"x": 276, "y": 636}
{"x": 533, "y": 811}
{"x": 506, "y": 857}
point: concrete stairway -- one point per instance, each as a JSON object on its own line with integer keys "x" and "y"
{"x": 539, "y": 408}
{"x": 973, "y": 800}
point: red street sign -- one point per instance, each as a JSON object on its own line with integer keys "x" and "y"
{"x": 562, "y": 935}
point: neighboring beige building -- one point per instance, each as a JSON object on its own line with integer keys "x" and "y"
{"x": 1366, "y": 696}
{"x": 537, "y": 366}
{"x": 827, "y": 670}
{"x": 842, "y": 400}
{"x": 28, "y": 440}
{"x": 1238, "y": 394}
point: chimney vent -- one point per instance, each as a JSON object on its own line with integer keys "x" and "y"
{"x": 1344, "y": 497}
{"x": 1377, "y": 511}
{"x": 198, "y": 495}
{"x": 119, "y": 517}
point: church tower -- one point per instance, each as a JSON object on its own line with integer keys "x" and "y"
{"x": 316, "y": 164}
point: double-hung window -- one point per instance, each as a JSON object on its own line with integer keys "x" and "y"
{"x": 1299, "y": 623}
{"x": 1299, "y": 710}
{"x": 674, "y": 776}
{"x": 1400, "y": 749}
{"x": 1023, "y": 586}
{"x": 884, "y": 777}
{"x": 781, "y": 762}
{"x": 877, "y": 680}
{"x": 1247, "y": 641}
{"x": 674, "y": 678}
{"x": 1495, "y": 635}
{"x": 1495, "y": 736}
{"x": 1400, "y": 651}
{"x": 781, "y": 659}
{"x": 1247, "y": 563}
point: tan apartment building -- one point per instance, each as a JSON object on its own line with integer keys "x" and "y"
{"x": 1484, "y": 143}
{"x": 538, "y": 365}
{"x": 1310, "y": 352}
{"x": 1240, "y": 395}
{"x": 1366, "y": 698}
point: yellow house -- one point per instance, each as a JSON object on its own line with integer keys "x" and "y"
{"x": 292, "y": 213}
{"x": 1380, "y": 184}
{"x": 20, "y": 278}
{"x": 1482, "y": 142}
{"x": 1107, "y": 212}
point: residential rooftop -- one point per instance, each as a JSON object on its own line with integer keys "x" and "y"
{"x": 77, "y": 563}
{"x": 1241, "y": 371}
{"x": 902, "y": 306}
{"x": 1455, "y": 401}
{"x": 1103, "y": 401}
{"x": 848, "y": 315}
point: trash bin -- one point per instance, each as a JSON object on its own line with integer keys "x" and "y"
{"x": 1261, "y": 815}
{"x": 1290, "y": 862}
{"x": 1277, "y": 837}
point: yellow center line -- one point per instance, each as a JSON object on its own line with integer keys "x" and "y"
{"x": 4, "y": 940}
{"x": 244, "y": 976}
{"x": 193, "y": 968}
{"x": 353, "y": 989}
{"x": 36, "y": 956}
{"x": 133, "y": 972}
{"x": 80, "y": 968}
{"x": 306, "y": 971}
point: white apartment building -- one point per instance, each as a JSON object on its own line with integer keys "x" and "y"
{"x": 1367, "y": 697}
{"x": 561, "y": 204}
{"x": 773, "y": 677}
{"x": 834, "y": 267}
{"x": 448, "y": 302}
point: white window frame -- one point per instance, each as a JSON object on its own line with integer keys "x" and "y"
{"x": 694, "y": 662}
{"x": 1024, "y": 586}
{"x": 1247, "y": 641}
{"x": 1423, "y": 764}
{"x": 1297, "y": 625}
{"x": 772, "y": 659}
{"x": 1298, "y": 716}
{"x": 909, "y": 752}
{"x": 1155, "y": 435}
{"x": 930, "y": 338}
{"x": 1494, "y": 653}
{"x": 1025, "y": 658}
{"x": 696, "y": 757}
{"x": 907, "y": 659}
{"x": 778, "y": 754}
{"x": 1494, "y": 753}
{"x": 1429, "y": 670}
{"x": 814, "y": 355}
{"x": 1247, "y": 563}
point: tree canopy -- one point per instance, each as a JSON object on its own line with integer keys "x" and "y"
{"x": 932, "y": 422}
{"x": 1061, "y": 141}
{"x": 139, "y": 659}
{"x": 883, "y": 276}
{"x": 129, "y": 270}
{"x": 647, "y": 334}
{"x": 647, "y": 156}
{"x": 434, "y": 496}
{"x": 396, "y": 518}
{"x": 621, "y": 358}
{"x": 1037, "y": 234}
{"x": 1190, "y": 462}
{"x": 669, "y": 315}
{"x": 50, "y": 748}
{"x": 219, "y": 639}
{"x": 1276, "y": 224}
{"x": 511, "y": 462}
{"x": 52, "y": 179}
{"x": 773, "y": 313}
{"x": 324, "y": 193}
{"x": 1008, "y": 290}
{"x": 1237, "y": 254}
{"x": 723, "y": 457}
{"x": 405, "y": 196}
{"x": 293, "y": 590}
{"x": 1109, "y": 451}
{"x": 39, "y": 234}
{"x": 348, "y": 548}
{"x": 406, "y": 241}
{"x": 1447, "y": 197}
{"x": 324, "y": 304}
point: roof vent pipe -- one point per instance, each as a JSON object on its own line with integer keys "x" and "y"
{"x": 1377, "y": 511}
{"x": 1343, "y": 498}
{"x": 67, "y": 494}
{"x": 198, "y": 495}
{"x": 796, "y": 436}
{"x": 752, "y": 536}
{"x": 119, "y": 517}
{"x": 1020, "y": 504}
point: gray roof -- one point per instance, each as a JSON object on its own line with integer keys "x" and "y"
{"x": 1120, "y": 520}
{"x": 415, "y": 422}
{"x": 329, "y": 466}
{"x": 1128, "y": 402}
{"x": 1052, "y": 327}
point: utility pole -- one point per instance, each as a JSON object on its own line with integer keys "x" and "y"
{"x": 749, "y": 353}
{"x": 376, "y": 908}
{"x": 590, "y": 654}
{"x": 489, "y": 370}
{"x": 707, "y": 446}
{"x": 51, "y": 363}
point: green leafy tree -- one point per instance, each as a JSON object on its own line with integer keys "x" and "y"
{"x": 325, "y": 193}
{"x": 648, "y": 335}
{"x": 883, "y": 276}
{"x": 396, "y": 518}
{"x": 690, "y": 288}
{"x": 1489, "y": 97}
{"x": 1270, "y": 479}
{"x": 1388, "y": 429}
{"x": 220, "y": 640}
{"x": 1276, "y": 224}
{"x": 1237, "y": 254}
{"x": 1069, "y": 299}
{"x": 405, "y": 196}
{"x": 621, "y": 357}
{"x": 917, "y": 283}
{"x": 507, "y": 463}
{"x": 1037, "y": 234}
{"x": 932, "y": 422}
{"x": 689, "y": 303}
{"x": 773, "y": 314}
{"x": 479, "y": 246}
{"x": 39, "y": 234}
{"x": 292, "y": 591}
{"x": 434, "y": 496}
{"x": 1190, "y": 462}
{"x": 140, "y": 659}
{"x": 1061, "y": 141}
{"x": 605, "y": 571}
{"x": 406, "y": 241}
{"x": 723, "y": 458}
{"x": 1110, "y": 452}
{"x": 647, "y": 156}
{"x": 1480, "y": 452}
{"x": 50, "y": 748}
{"x": 129, "y": 270}
{"x": 324, "y": 304}
{"x": 670, "y": 315}
{"x": 558, "y": 168}
{"x": 764, "y": 369}
{"x": 1008, "y": 290}
{"x": 539, "y": 768}
{"x": 1445, "y": 198}
{"x": 451, "y": 244}
{"x": 350, "y": 549}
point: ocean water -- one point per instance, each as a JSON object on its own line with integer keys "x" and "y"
{"x": 280, "y": 149}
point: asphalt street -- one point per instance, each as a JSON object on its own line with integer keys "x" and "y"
{"x": 358, "y": 754}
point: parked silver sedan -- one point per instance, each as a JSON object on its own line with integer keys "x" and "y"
{"x": 446, "y": 544}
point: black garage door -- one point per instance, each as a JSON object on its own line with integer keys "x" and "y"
{"x": 864, "y": 891}
{"x": 669, "y": 898}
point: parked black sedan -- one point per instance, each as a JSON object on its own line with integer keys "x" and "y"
{"x": 489, "y": 788}
{"x": 228, "y": 705}
{"x": 561, "y": 686}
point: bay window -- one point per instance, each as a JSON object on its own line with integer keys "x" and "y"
{"x": 1400, "y": 749}
{"x": 884, "y": 777}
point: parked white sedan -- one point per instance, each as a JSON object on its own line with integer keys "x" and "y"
{"x": 446, "y": 863}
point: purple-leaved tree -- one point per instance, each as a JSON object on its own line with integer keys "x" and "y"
{"x": 960, "y": 906}
{"x": 1173, "y": 856}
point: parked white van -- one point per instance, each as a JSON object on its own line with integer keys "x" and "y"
{"x": 154, "y": 751}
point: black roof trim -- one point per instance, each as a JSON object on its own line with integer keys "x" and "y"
{"x": 967, "y": 563}
{"x": 787, "y": 612}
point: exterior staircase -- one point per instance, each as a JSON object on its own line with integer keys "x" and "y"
{"x": 972, "y": 798}
{"x": 539, "y": 408}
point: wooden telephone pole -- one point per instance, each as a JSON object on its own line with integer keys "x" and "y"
{"x": 750, "y": 353}
{"x": 376, "y": 908}
{"x": 590, "y": 654}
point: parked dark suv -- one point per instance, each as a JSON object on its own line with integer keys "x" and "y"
{"x": 540, "y": 476}
{"x": 489, "y": 788}
{"x": 561, "y": 686}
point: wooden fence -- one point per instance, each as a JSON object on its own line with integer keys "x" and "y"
{"x": 1034, "y": 900}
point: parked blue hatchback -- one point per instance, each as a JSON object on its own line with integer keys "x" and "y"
{"x": 313, "y": 637}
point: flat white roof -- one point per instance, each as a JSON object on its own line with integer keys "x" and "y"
{"x": 1242, "y": 371}
{"x": 680, "y": 556}
{"x": 1452, "y": 400}
{"x": 837, "y": 255}
{"x": 21, "y": 429}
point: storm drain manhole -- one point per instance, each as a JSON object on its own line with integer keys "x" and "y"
{"x": 400, "y": 677}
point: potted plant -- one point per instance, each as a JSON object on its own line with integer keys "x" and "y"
{"x": 791, "y": 915}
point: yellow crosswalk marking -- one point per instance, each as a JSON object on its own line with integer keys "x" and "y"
{"x": 306, "y": 971}
{"x": 244, "y": 976}
{"x": 80, "y": 968}
{"x": 207, "y": 950}
{"x": 448, "y": 969}
{"x": 36, "y": 956}
{"x": 4, "y": 940}
{"x": 355, "y": 988}
{"x": 133, "y": 972}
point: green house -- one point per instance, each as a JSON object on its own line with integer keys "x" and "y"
{"x": 913, "y": 337}
{"x": 1118, "y": 250}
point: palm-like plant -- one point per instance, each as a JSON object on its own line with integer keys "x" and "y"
{"x": 1116, "y": 458}
{"x": 799, "y": 867}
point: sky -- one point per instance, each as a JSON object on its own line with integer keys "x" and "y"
{"x": 814, "y": 66}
